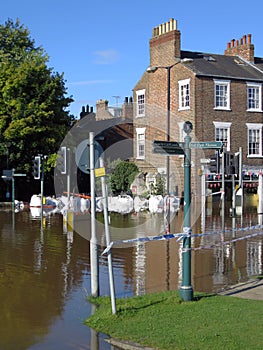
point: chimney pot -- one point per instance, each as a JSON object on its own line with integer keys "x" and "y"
{"x": 244, "y": 39}
{"x": 249, "y": 38}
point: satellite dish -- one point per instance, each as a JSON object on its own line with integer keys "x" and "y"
{"x": 82, "y": 155}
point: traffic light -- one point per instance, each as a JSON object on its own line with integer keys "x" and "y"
{"x": 36, "y": 167}
{"x": 214, "y": 166}
{"x": 62, "y": 160}
{"x": 229, "y": 163}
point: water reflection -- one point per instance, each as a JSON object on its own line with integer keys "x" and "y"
{"x": 45, "y": 272}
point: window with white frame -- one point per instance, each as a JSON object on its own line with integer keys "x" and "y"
{"x": 254, "y": 93}
{"x": 222, "y": 94}
{"x": 254, "y": 139}
{"x": 222, "y": 133}
{"x": 184, "y": 94}
{"x": 140, "y": 103}
{"x": 140, "y": 143}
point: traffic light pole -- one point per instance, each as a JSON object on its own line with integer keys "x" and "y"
{"x": 42, "y": 185}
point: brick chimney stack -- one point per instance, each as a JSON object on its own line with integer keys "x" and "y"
{"x": 165, "y": 44}
{"x": 127, "y": 108}
{"x": 102, "y": 110}
{"x": 243, "y": 48}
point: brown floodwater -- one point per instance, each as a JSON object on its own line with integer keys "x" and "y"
{"x": 45, "y": 269}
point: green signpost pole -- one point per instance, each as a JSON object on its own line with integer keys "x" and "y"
{"x": 186, "y": 290}
{"x": 173, "y": 148}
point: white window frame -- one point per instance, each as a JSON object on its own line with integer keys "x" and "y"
{"x": 256, "y": 127}
{"x": 257, "y": 98}
{"x": 226, "y": 126}
{"x": 140, "y": 143}
{"x": 184, "y": 94}
{"x": 226, "y": 97}
{"x": 140, "y": 103}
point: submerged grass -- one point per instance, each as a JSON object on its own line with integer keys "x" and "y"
{"x": 163, "y": 321}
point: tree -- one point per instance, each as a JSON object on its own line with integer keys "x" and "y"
{"x": 33, "y": 115}
{"x": 159, "y": 188}
{"x": 123, "y": 176}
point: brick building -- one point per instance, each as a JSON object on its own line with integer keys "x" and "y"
{"x": 113, "y": 131}
{"x": 220, "y": 94}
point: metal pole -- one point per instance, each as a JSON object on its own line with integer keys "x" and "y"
{"x": 94, "y": 260}
{"x": 168, "y": 125}
{"x": 13, "y": 190}
{"x": 240, "y": 180}
{"x": 67, "y": 163}
{"x": 107, "y": 234}
{"x": 42, "y": 185}
{"x": 186, "y": 291}
{"x": 260, "y": 199}
{"x": 223, "y": 195}
{"x": 167, "y": 216}
{"x": 203, "y": 197}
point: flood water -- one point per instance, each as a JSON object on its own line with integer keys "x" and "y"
{"x": 45, "y": 270}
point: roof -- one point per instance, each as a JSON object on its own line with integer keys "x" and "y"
{"x": 222, "y": 66}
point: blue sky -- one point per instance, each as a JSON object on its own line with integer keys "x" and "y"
{"x": 102, "y": 47}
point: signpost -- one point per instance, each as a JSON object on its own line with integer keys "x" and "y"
{"x": 207, "y": 145}
{"x": 170, "y": 148}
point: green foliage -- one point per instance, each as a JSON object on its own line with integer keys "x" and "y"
{"x": 163, "y": 321}
{"x": 123, "y": 176}
{"x": 33, "y": 116}
{"x": 159, "y": 187}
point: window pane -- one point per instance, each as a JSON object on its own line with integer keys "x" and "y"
{"x": 253, "y": 97}
{"x": 254, "y": 141}
{"x": 221, "y": 98}
{"x": 141, "y": 145}
{"x": 141, "y": 105}
{"x": 184, "y": 94}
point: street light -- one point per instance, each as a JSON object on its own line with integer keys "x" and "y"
{"x": 152, "y": 69}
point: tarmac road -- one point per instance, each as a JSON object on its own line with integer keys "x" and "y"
{"x": 252, "y": 289}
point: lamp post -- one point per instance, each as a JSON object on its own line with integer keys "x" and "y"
{"x": 152, "y": 69}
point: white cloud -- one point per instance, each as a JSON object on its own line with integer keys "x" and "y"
{"x": 91, "y": 82}
{"x": 106, "y": 56}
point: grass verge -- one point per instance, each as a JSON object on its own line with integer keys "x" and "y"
{"x": 163, "y": 321}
